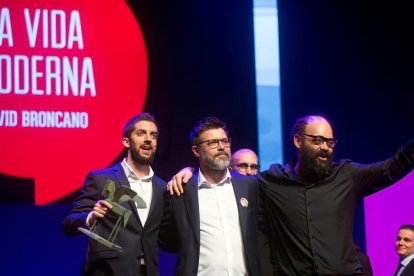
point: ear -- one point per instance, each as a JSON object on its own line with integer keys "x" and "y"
{"x": 125, "y": 142}
{"x": 297, "y": 141}
{"x": 196, "y": 151}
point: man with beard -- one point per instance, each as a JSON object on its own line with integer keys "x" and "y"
{"x": 308, "y": 205}
{"x": 139, "y": 238}
{"x": 216, "y": 218}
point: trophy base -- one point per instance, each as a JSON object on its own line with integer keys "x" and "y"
{"x": 100, "y": 239}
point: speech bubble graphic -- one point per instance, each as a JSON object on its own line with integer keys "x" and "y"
{"x": 71, "y": 74}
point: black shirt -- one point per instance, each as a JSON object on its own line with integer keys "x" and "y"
{"x": 310, "y": 225}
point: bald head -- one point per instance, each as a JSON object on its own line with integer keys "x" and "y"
{"x": 245, "y": 162}
{"x": 301, "y": 123}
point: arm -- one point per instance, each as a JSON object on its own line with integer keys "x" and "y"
{"x": 175, "y": 185}
{"x": 374, "y": 177}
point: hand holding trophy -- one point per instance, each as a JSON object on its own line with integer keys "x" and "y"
{"x": 115, "y": 197}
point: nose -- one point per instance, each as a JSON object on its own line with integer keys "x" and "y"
{"x": 220, "y": 145}
{"x": 148, "y": 138}
{"x": 249, "y": 171}
{"x": 324, "y": 146}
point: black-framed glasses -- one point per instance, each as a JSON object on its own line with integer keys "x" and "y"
{"x": 319, "y": 140}
{"x": 214, "y": 143}
{"x": 245, "y": 166}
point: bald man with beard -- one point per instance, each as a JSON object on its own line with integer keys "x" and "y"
{"x": 309, "y": 203}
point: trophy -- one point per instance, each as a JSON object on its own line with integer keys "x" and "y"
{"x": 115, "y": 197}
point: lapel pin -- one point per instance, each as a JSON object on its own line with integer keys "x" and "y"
{"x": 244, "y": 202}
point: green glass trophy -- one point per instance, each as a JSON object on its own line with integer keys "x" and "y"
{"x": 115, "y": 197}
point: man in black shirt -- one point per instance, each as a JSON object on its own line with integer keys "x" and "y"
{"x": 309, "y": 203}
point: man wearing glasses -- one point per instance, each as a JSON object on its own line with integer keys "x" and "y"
{"x": 245, "y": 162}
{"x": 309, "y": 203}
{"x": 216, "y": 218}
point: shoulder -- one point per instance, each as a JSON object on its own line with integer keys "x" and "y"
{"x": 410, "y": 265}
{"x": 274, "y": 171}
{"x": 249, "y": 180}
{"x": 101, "y": 176}
{"x": 350, "y": 166}
{"x": 106, "y": 171}
{"x": 159, "y": 181}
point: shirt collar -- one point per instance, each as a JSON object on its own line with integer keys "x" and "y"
{"x": 203, "y": 183}
{"x": 407, "y": 260}
{"x": 129, "y": 172}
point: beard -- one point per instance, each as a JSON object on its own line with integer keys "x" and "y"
{"x": 138, "y": 158}
{"x": 218, "y": 164}
{"x": 313, "y": 166}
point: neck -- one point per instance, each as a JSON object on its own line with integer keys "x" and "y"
{"x": 140, "y": 170}
{"x": 301, "y": 173}
{"x": 213, "y": 176}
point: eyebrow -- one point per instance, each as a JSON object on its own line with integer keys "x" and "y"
{"x": 145, "y": 130}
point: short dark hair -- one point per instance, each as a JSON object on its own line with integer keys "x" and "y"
{"x": 407, "y": 227}
{"x": 130, "y": 125}
{"x": 300, "y": 124}
{"x": 204, "y": 124}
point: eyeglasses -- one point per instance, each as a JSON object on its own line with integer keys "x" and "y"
{"x": 319, "y": 140}
{"x": 245, "y": 166}
{"x": 214, "y": 143}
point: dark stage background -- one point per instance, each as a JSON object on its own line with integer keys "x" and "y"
{"x": 348, "y": 60}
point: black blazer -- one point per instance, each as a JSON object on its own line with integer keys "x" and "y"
{"x": 134, "y": 239}
{"x": 409, "y": 269}
{"x": 185, "y": 225}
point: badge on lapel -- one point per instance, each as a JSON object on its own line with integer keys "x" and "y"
{"x": 244, "y": 202}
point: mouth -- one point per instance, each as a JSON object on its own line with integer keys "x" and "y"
{"x": 146, "y": 149}
{"x": 225, "y": 156}
{"x": 401, "y": 250}
{"x": 323, "y": 157}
